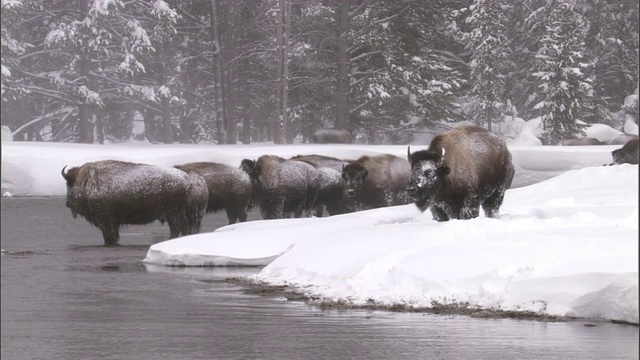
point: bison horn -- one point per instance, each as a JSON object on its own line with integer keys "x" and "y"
{"x": 443, "y": 152}
{"x": 409, "y": 153}
{"x": 63, "y": 174}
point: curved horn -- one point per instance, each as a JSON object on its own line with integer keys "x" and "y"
{"x": 443, "y": 152}
{"x": 63, "y": 174}
{"x": 409, "y": 153}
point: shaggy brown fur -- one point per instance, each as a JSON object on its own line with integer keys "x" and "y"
{"x": 282, "y": 187}
{"x": 331, "y": 189}
{"x": 476, "y": 170}
{"x": 377, "y": 181}
{"x": 621, "y": 139}
{"x": 229, "y": 188}
{"x": 627, "y": 154}
{"x": 109, "y": 194}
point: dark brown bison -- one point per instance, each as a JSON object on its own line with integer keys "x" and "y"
{"x": 282, "y": 187}
{"x": 463, "y": 169}
{"x": 621, "y": 139}
{"x": 229, "y": 188}
{"x": 627, "y": 154}
{"x": 332, "y": 136}
{"x": 331, "y": 189}
{"x": 377, "y": 181}
{"x": 582, "y": 142}
{"x": 109, "y": 194}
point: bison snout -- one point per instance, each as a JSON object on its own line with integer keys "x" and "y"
{"x": 351, "y": 193}
{"x": 412, "y": 189}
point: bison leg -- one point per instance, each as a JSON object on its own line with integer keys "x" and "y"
{"x": 175, "y": 228}
{"x": 491, "y": 205}
{"x": 110, "y": 234}
{"x": 438, "y": 213}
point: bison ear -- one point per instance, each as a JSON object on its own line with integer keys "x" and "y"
{"x": 409, "y": 153}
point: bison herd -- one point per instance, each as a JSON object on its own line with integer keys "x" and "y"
{"x": 462, "y": 170}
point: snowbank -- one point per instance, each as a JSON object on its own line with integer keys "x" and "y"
{"x": 566, "y": 246}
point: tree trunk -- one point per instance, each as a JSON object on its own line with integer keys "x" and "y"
{"x": 221, "y": 116}
{"x": 286, "y": 121}
{"x": 342, "y": 90}
{"x": 278, "y": 130}
{"x": 191, "y": 82}
{"x": 84, "y": 122}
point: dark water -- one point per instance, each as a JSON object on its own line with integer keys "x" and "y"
{"x": 64, "y": 296}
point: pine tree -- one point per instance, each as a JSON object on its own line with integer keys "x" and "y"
{"x": 564, "y": 89}
{"x": 489, "y": 54}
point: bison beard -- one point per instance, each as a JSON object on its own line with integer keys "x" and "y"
{"x": 109, "y": 194}
{"x": 463, "y": 169}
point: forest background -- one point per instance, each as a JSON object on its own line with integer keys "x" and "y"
{"x": 227, "y": 71}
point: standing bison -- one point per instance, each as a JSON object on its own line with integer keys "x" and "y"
{"x": 330, "y": 189}
{"x": 229, "y": 188}
{"x": 282, "y": 187}
{"x": 463, "y": 169}
{"x": 332, "y": 136}
{"x": 109, "y": 194}
{"x": 377, "y": 181}
{"x": 627, "y": 154}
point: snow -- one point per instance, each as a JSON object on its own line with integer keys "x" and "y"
{"x": 566, "y": 242}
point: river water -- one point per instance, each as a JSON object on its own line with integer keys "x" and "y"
{"x": 65, "y": 296}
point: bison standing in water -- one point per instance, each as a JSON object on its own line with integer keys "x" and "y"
{"x": 627, "y": 154}
{"x": 332, "y": 136}
{"x": 377, "y": 181}
{"x": 463, "y": 169}
{"x": 109, "y": 194}
{"x": 229, "y": 188}
{"x": 282, "y": 187}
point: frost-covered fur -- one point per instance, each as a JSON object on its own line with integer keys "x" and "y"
{"x": 281, "y": 187}
{"x": 112, "y": 193}
{"x": 331, "y": 189}
{"x": 197, "y": 198}
{"x": 627, "y": 154}
{"x": 377, "y": 181}
{"x": 229, "y": 188}
{"x": 475, "y": 171}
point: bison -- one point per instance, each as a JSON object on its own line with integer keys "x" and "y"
{"x": 332, "y": 136}
{"x": 582, "y": 142}
{"x": 627, "y": 154}
{"x": 331, "y": 189}
{"x": 463, "y": 169}
{"x": 110, "y": 193}
{"x": 621, "y": 139}
{"x": 377, "y": 181}
{"x": 229, "y": 188}
{"x": 281, "y": 187}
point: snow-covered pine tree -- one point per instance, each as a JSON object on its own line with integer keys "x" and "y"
{"x": 489, "y": 53}
{"x": 564, "y": 89}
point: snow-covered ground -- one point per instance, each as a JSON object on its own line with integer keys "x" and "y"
{"x": 565, "y": 244}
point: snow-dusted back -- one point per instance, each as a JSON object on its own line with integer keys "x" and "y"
{"x": 566, "y": 242}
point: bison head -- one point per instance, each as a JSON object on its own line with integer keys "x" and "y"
{"x": 251, "y": 167}
{"x": 428, "y": 170}
{"x": 353, "y": 177}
